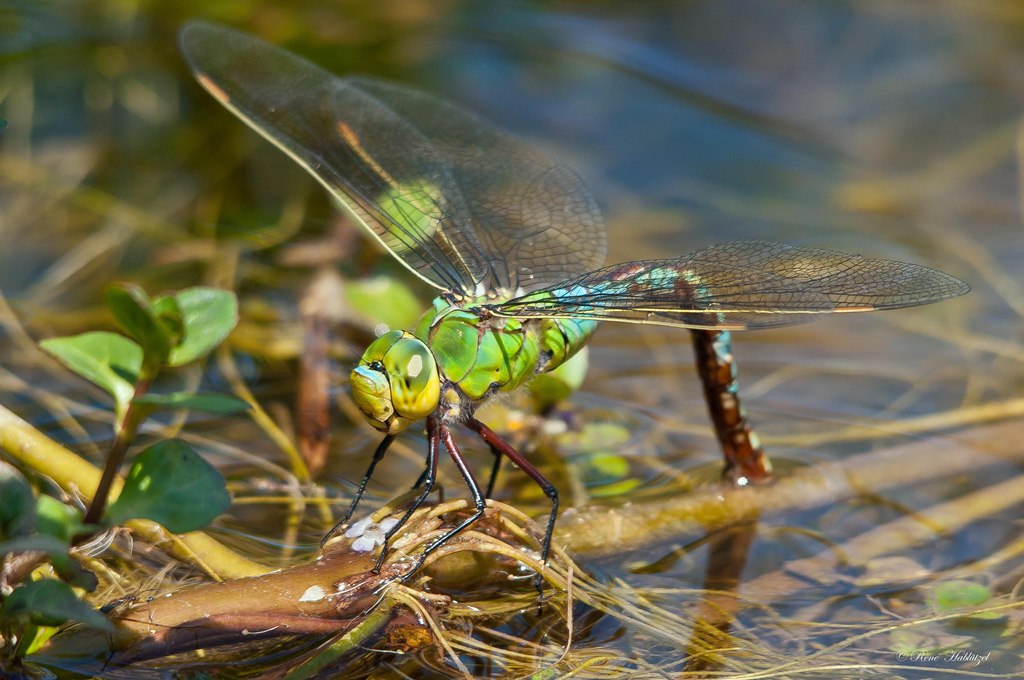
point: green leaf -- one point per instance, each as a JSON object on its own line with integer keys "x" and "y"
{"x": 49, "y": 602}
{"x": 50, "y": 545}
{"x": 383, "y": 300}
{"x": 596, "y": 437}
{"x": 171, "y": 484}
{"x": 950, "y": 596}
{"x": 73, "y": 573}
{"x": 211, "y": 403}
{"x": 168, "y": 312}
{"x": 54, "y": 518}
{"x": 208, "y": 316}
{"x": 134, "y": 313}
{"x": 108, "y": 360}
{"x": 958, "y": 594}
{"x": 604, "y": 474}
{"x": 17, "y": 504}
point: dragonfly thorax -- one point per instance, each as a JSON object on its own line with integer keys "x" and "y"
{"x": 481, "y": 295}
{"x": 480, "y": 353}
{"x": 396, "y": 382}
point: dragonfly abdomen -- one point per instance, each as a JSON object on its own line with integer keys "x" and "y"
{"x": 560, "y": 339}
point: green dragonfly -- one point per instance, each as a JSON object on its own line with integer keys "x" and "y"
{"x": 515, "y": 244}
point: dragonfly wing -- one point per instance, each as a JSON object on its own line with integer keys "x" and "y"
{"x": 463, "y": 205}
{"x": 747, "y": 284}
{"x": 375, "y": 162}
{"x": 536, "y": 220}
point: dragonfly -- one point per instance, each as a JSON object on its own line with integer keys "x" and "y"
{"x": 515, "y": 246}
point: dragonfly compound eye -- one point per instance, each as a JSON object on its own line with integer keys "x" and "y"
{"x": 415, "y": 385}
{"x": 396, "y": 382}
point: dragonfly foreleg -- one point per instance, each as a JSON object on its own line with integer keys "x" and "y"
{"x": 427, "y": 480}
{"x": 474, "y": 489}
{"x": 377, "y": 456}
{"x": 745, "y": 459}
{"x": 500, "y": 445}
{"x": 423, "y": 475}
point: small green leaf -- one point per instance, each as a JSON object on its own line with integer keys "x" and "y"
{"x": 604, "y": 474}
{"x": 17, "y": 504}
{"x": 169, "y": 313}
{"x": 596, "y": 437}
{"x": 950, "y": 596}
{"x": 74, "y": 574}
{"x": 211, "y": 403}
{"x": 958, "y": 594}
{"x": 383, "y": 300}
{"x": 50, "y": 545}
{"x": 208, "y": 316}
{"x": 108, "y": 360}
{"x": 603, "y": 468}
{"x": 58, "y": 519}
{"x": 134, "y": 313}
{"x": 171, "y": 484}
{"x": 50, "y": 603}
{"x": 616, "y": 490}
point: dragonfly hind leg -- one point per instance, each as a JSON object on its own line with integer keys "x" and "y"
{"x": 495, "y": 469}
{"x": 745, "y": 459}
{"x": 499, "y": 445}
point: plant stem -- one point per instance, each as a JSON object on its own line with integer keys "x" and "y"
{"x": 77, "y": 476}
{"x": 124, "y": 436}
{"x": 359, "y": 636}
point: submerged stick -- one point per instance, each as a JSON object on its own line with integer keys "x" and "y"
{"x": 604, "y": 531}
{"x": 321, "y": 597}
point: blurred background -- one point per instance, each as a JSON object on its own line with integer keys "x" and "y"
{"x": 887, "y": 129}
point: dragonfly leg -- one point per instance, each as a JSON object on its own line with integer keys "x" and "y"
{"x": 478, "y": 498}
{"x": 494, "y": 472}
{"x": 500, "y": 445}
{"x": 423, "y": 475}
{"x": 745, "y": 459}
{"x": 427, "y": 479}
{"x": 377, "y": 455}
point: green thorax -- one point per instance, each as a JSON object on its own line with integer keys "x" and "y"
{"x": 482, "y": 354}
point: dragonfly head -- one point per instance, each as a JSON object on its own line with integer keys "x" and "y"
{"x": 396, "y": 382}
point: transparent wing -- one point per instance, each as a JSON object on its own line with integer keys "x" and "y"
{"x": 535, "y": 219}
{"x": 464, "y": 206}
{"x": 747, "y": 284}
